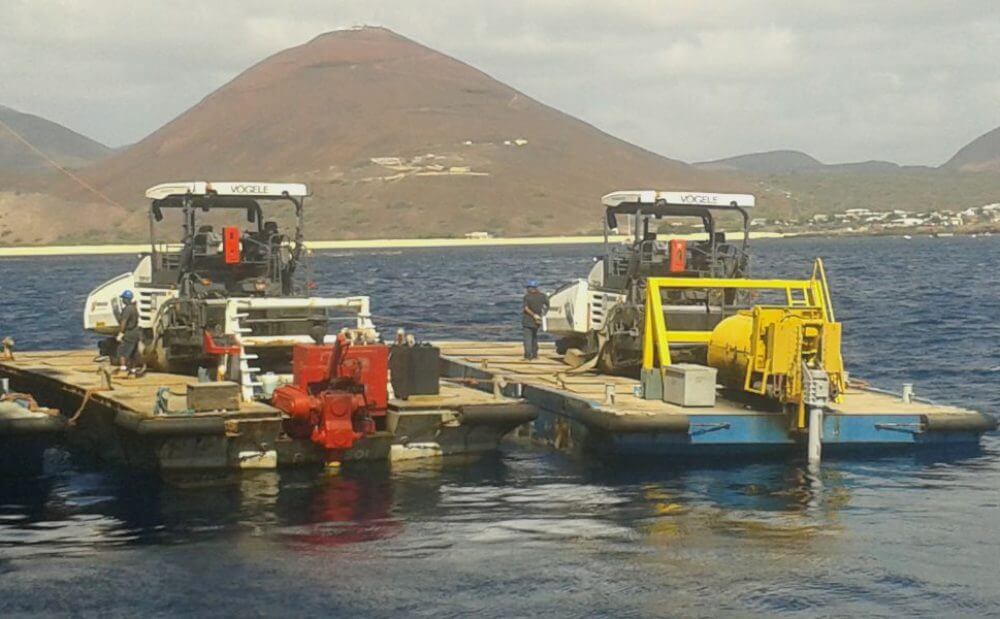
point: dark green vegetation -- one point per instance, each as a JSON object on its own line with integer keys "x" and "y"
{"x": 910, "y": 189}
{"x": 792, "y": 184}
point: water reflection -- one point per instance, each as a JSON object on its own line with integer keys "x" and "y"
{"x": 534, "y": 533}
{"x": 763, "y": 537}
{"x": 323, "y": 509}
{"x": 538, "y": 498}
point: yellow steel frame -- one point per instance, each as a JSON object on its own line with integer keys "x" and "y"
{"x": 812, "y": 292}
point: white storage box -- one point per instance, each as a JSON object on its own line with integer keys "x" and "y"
{"x": 688, "y": 384}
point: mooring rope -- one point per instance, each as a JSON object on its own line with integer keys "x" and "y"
{"x": 83, "y": 404}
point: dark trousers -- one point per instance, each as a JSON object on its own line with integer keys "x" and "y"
{"x": 530, "y": 342}
{"x": 129, "y": 349}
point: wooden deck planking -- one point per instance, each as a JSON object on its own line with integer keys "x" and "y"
{"x": 78, "y": 371}
{"x": 506, "y": 359}
{"x": 451, "y": 396}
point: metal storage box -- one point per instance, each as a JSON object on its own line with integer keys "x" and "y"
{"x": 220, "y": 396}
{"x": 688, "y": 384}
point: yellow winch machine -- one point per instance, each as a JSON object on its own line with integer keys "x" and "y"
{"x": 786, "y": 354}
{"x": 776, "y": 351}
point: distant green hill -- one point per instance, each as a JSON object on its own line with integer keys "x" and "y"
{"x": 789, "y": 161}
{"x": 770, "y": 162}
{"x": 64, "y": 146}
{"x": 792, "y": 184}
{"x": 911, "y": 189}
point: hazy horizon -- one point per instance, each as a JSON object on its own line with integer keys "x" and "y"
{"x": 897, "y": 82}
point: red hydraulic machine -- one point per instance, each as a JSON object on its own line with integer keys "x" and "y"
{"x": 340, "y": 394}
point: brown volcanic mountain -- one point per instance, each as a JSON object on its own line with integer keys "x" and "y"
{"x": 979, "y": 155}
{"x": 395, "y": 140}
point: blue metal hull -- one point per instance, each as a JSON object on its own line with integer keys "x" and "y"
{"x": 749, "y": 435}
{"x": 570, "y": 421}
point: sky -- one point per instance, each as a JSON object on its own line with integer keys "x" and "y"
{"x": 907, "y": 81}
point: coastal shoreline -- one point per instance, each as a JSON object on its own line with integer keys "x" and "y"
{"x": 361, "y": 244}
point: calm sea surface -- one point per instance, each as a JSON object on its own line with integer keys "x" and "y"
{"x": 531, "y": 532}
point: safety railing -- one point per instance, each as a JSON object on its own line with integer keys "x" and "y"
{"x": 657, "y": 337}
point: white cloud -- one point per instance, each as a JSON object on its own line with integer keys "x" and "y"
{"x": 722, "y": 53}
{"x": 901, "y": 80}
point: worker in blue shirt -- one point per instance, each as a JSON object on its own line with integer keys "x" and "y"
{"x": 129, "y": 335}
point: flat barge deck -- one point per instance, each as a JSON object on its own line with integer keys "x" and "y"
{"x": 135, "y": 422}
{"x": 606, "y": 414}
{"x": 26, "y": 431}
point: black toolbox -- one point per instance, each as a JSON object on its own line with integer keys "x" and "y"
{"x": 414, "y": 370}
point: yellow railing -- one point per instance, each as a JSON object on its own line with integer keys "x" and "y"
{"x": 657, "y": 337}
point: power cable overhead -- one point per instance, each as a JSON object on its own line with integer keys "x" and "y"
{"x": 17, "y": 136}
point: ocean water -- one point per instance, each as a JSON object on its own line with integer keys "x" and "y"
{"x": 529, "y": 532}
